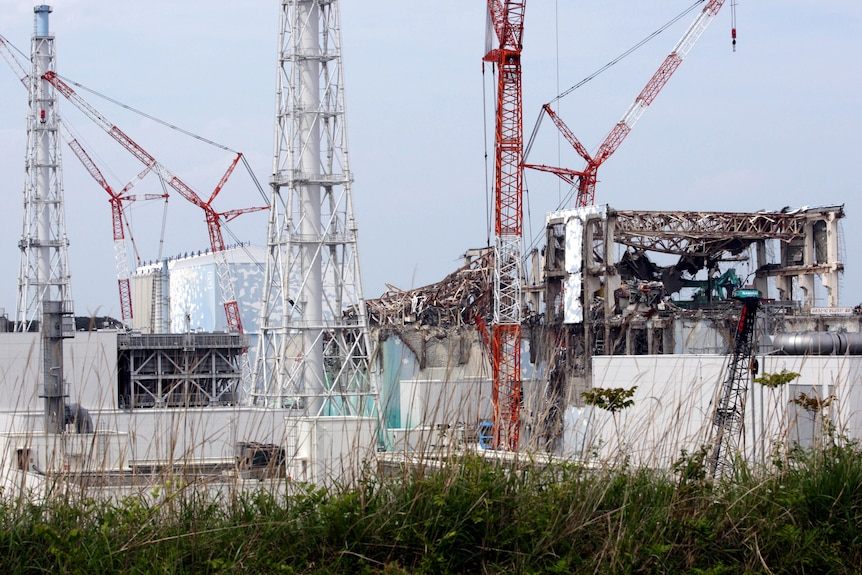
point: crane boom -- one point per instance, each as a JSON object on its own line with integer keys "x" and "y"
{"x": 588, "y": 178}
{"x": 217, "y": 244}
{"x": 658, "y": 80}
{"x": 118, "y": 223}
{"x": 507, "y": 19}
{"x": 729, "y": 410}
{"x": 120, "y": 253}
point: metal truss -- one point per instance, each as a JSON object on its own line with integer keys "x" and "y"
{"x": 314, "y": 345}
{"x": 702, "y": 233}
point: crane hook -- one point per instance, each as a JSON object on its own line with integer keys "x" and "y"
{"x": 733, "y": 23}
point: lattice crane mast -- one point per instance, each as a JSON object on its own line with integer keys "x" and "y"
{"x": 507, "y": 19}
{"x": 587, "y": 178}
{"x": 116, "y": 200}
{"x": 14, "y": 63}
{"x": 213, "y": 218}
{"x": 729, "y": 411}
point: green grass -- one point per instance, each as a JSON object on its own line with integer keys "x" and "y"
{"x": 473, "y": 516}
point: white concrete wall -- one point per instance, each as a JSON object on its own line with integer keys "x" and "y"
{"x": 141, "y": 436}
{"x": 331, "y": 450}
{"x": 674, "y": 402}
{"x": 41, "y": 453}
{"x": 89, "y": 362}
{"x": 204, "y": 435}
{"x": 432, "y": 402}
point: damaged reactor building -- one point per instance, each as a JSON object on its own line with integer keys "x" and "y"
{"x": 622, "y": 299}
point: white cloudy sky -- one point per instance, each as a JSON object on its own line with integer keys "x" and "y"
{"x": 776, "y": 123}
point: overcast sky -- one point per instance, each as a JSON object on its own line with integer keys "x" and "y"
{"x": 776, "y": 123}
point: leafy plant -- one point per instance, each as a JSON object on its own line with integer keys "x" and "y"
{"x": 469, "y": 514}
{"x": 610, "y": 399}
{"x": 773, "y": 380}
{"x": 813, "y": 403}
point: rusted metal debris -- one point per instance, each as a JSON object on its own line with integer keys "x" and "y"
{"x": 452, "y": 302}
{"x": 704, "y": 233}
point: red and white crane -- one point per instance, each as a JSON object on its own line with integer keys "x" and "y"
{"x": 213, "y": 218}
{"x": 587, "y": 178}
{"x": 507, "y": 19}
{"x": 117, "y": 200}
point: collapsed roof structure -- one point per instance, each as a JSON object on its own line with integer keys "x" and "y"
{"x": 597, "y": 290}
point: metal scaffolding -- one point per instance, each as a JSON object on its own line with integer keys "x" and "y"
{"x": 179, "y": 370}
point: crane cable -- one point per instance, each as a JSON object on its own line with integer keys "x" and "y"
{"x": 147, "y": 116}
{"x": 245, "y": 162}
{"x": 490, "y": 34}
{"x": 629, "y": 51}
{"x": 613, "y": 62}
{"x": 173, "y": 127}
{"x": 488, "y": 191}
{"x": 535, "y": 131}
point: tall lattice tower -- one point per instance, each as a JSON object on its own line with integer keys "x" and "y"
{"x": 314, "y": 345}
{"x": 44, "y": 270}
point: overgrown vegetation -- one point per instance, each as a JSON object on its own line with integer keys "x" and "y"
{"x": 474, "y": 515}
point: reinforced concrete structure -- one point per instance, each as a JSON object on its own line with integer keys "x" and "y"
{"x": 182, "y": 294}
{"x": 596, "y": 299}
{"x": 598, "y": 302}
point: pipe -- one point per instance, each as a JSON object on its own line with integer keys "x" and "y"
{"x": 42, "y": 12}
{"x": 817, "y": 343}
{"x": 854, "y": 343}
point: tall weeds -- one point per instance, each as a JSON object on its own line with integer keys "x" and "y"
{"x": 471, "y": 515}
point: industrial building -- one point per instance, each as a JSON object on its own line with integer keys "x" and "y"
{"x": 175, "y": 390}
{"x": 181, "y": 294}
{"x": 647, "y": 317}
{"x": 243, "y": 362}
{"x": 601, "y": 314}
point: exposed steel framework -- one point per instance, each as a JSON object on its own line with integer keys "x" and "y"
{"x": 729, "y": 413}
{"x": 694, "y": 233}
{"x": 587, "y": 178}
{"x": 507, "y": 19}
{"x": 44, "y": 271}
{"x": 213, "y": 217}
{"x": 314, "y": 343}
